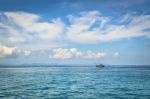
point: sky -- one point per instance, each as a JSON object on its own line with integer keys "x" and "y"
{"x": 114, "y": 32}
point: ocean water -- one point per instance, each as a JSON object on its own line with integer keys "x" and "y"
{"x": 75, "y": 82}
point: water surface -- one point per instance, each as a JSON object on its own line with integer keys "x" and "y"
{"x": 75, "y": 82}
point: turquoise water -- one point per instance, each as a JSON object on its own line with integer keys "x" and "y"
{"x": 75, "y": 82}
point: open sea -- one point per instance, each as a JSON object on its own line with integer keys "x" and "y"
{"x": 75, "y": 82}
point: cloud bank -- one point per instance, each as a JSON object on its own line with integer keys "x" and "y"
{"x": 89, "y": 27}
{"x": 93, "y": 27}
{"x": 7, "y": 52}
{"x": 67, "y": 53}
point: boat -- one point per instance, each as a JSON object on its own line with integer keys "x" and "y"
{"x": 100, "y": 65}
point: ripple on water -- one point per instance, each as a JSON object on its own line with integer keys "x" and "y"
{"x": 74, "y": 83}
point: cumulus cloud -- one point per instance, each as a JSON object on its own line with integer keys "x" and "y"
{"x": 6, "y": 52}
{"x": 67, "y": 53}
{"x": 63, "y": 53}
{"x": 92, "y": 27}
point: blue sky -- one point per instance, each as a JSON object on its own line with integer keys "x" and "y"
{"x": 74, "y": 32}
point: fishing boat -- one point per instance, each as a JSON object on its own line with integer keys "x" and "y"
{"x": 100, "y": 65}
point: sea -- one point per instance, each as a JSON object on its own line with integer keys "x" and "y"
{"x": 75, "y": 82}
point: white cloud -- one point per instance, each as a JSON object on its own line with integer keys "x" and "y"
{"x": 23, "y": 26}
{"x": 81, "y": 28}
{"x": 66, "y": 53}
{"x": 6, "y": 51}
{"x": 61, "y": 53}
{"x": 116, "y": 55}
{"x": 87, "y": 27}
{"x": 90, "y": 54}
{"x": 27, "y": 53}
{"x": 92, "y": 27}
